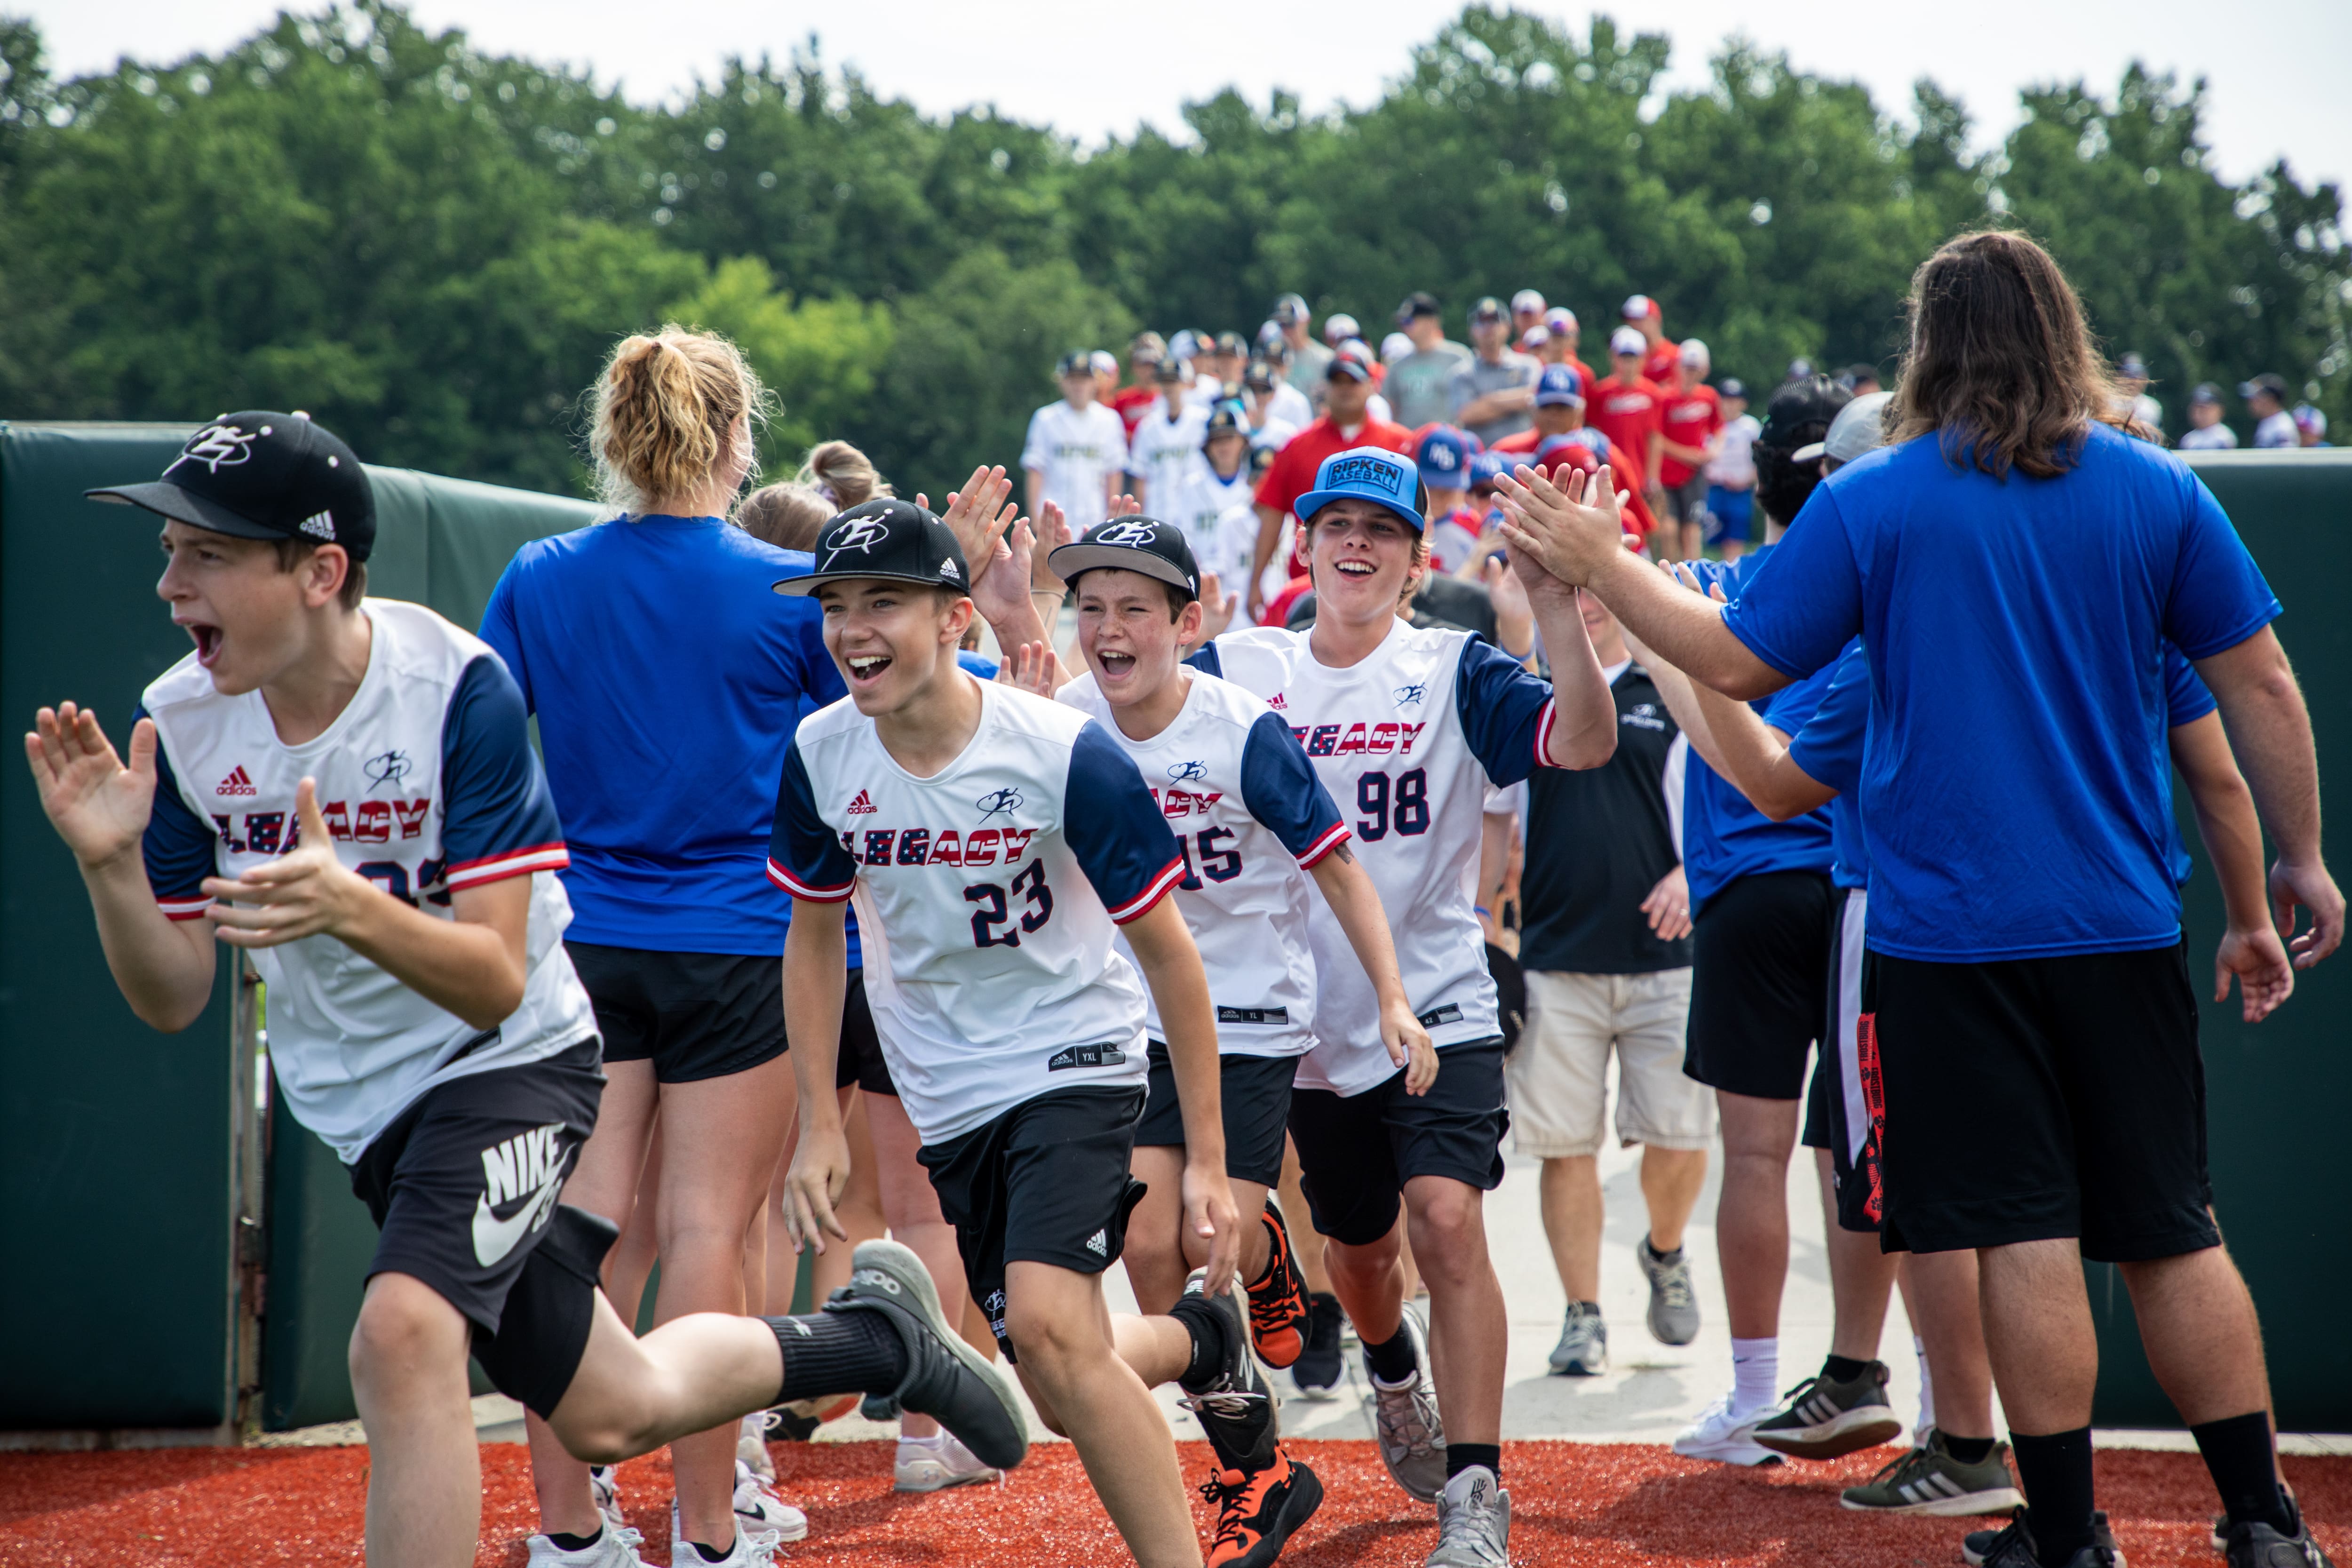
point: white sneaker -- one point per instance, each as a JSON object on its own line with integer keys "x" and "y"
{"x": 604, "y": 1486}
{"x": 752, "y": 1549}
{"x": 758, "y": 1512}
{"x": 935, "y": 1464}
{"x": 1474, "y": 1522}
{"x": 1723, "y": 1434}
{"x": 615, "y": 1548}
{"x": 752, "y": 1445}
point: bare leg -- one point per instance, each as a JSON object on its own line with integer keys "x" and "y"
{"x": 1860, "y": 1277}
{"x": 2045, "y": 1356}
{"x": 1751, "y": 1217}
{"x": 1469, "y": 1326}
{"x": 629, "y": 1267}
{"x": 2203, "y": 1341}
{"x": 1068, "y": 1362}
{"x": 1573, "y": 1218}
{"x": 1671, "y": 1182}
{"x": 1369, "y": 1282}
{"x": 630, "y": 1396}
{"x": 1155, "y": 1253}
{"x": 424, "y": 1473}
{"x": 1941, "y": 1296}
{"x": 1306, "y": 1241}
{"x": 911, "y": 1205}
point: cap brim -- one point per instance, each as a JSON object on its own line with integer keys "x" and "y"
{"x": 801, "y": 587}
{"x": 1559, "y": 400}
{"x": 166, "y": 500}
{"x": 1807, "y": 453}
{"x": 1313, "y": 501}
{"x": 1069, "y": 559}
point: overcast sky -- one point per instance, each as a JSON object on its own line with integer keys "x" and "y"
{"x": 2276, "y": 69}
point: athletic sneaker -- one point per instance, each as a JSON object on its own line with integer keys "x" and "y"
{"x": 1277, "y": 1303}
{"x": 751, "y": 1550}
{"x": 1673, "y": 1304}
{"x": 2220, "y": 1537}
{"x": 612, "y": 1548}
{"x": 791, "y": 1424}
{"x": 936, "y": 1463}
{"x": 2013, "y": 1546}
{"x": 1405, "y": 1420}
{"x": 1259, "y": 1511}
{"x": 2254, "y": 1544}
{"x": 758, "y": 1512}
{"x": 1820, "y": 1418}
{"x": 946, "y": 1378}
{"x": 1474, "y": 1522}
{"x": 604, "y": 1486}
{"x": 752, "y": 1445}
{"x": 1320, "y": 1365}
{"x": 1584, "y": 1348}
{"x": 1235, "y": 1408}
{"x": 1928, "y": 1481}
{"x": 1718, "y": 1433}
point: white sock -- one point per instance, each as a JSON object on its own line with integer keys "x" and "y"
{"x": 1926, "y": 1391}
{"x": 935, "y": 1441}
{"x": 1755, "y": 1374}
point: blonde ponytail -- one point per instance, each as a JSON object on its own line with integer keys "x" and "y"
{"x": 841, "y": 474}
{"x": 666, "y": 411}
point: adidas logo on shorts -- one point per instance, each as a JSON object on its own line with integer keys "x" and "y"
{"x": 1099, "y": 1244}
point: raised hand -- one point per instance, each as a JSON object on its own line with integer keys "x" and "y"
{"x": 1217, "y": 609}
{"x": 99, "y": 806}
{"x": 1032, "y": 666}
{"x": 999, "y": 590}
{"x": 1053, "y": 532}
{"x": 978, "y": 515}
{"x": 1125, "y": 506}
{"x": 303, "y": 893}
{"x": 1570, "y": 529}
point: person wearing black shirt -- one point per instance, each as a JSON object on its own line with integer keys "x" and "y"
{"x": 1605, "y": 945}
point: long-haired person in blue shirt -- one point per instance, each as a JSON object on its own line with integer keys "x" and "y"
{"x": 667, "y": 678}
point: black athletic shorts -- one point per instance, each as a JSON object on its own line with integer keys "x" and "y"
{"x": 860, "y": 1062}
{"x": 1686, "y": 502}
{"x": 1759, "y": 950}
{"x": 1045, "y": 1183}
{"x": 695, "y": 1016}
{"x": 1253, "y": 1099}
{"x": 463, "y": 1186}
{"x": 1355, "y": 1153}
{"x": 2035, "y": 1098}
{"x": 1845, "y": 1075}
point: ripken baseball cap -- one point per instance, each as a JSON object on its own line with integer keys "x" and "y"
{"x": 263, "y": 475}
{"x": 891, "y": 539}
{"x": 1366, "y": 473}
{"x": 1143, "y": 544}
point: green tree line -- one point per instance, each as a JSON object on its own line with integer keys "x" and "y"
{"x": 432, "y": 247}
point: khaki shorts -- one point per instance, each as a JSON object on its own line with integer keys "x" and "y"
{"x": 1559, "y": 1073}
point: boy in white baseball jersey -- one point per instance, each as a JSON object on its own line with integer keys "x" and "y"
{"x": 347, "y": 789}
{"x": 1407, "y": 726}
{"x": 1166, "y": 445}
{"x": 995, "y": 844}
{"x": 1077, "y": 448}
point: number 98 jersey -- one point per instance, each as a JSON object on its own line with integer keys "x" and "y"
{"x": 987, "y": 896}
{"x": 1406, "y": 741}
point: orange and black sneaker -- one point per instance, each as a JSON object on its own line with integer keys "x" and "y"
{"x": 1259, "y": 1511}
{"x": 1277, "y": 1302}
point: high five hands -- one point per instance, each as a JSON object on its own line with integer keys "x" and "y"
{"x": 1572, "y": 528}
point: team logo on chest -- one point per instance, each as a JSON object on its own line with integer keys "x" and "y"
{"x": 388, "y": 769}
{"x": 999, "y": 803}
{"x": 1411, "y": 695}
{"x": 1186, "y": 773}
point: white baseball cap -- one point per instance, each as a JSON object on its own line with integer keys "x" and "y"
{"x": 1628, "y": 341}
{"x": 1694, "y": 353}
{"x": 1394, "y": 347}
{"x": 1859, "y": 427}
{"x": 1526, "y": 303}
{"x": 1639, "y": 306}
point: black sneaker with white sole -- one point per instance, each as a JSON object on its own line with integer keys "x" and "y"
{"x": 1236, "y": 1408}
{"x": 2012, "y": 1545}
{"x": 946, "y": 1378}
{"x": 1821, "y": 1418}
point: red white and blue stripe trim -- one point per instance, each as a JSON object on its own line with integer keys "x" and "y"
{"x": 1543, "y": 734}
{"x": 184, "y": 909}
{"x": 506, "y": 863}
{"x": 1166, "y": 878}
{"x": 800, "y": 889}
{"x": 1324, "y": 846}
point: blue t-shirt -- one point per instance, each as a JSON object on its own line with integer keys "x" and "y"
{"x": 667, "y": 679}
{"x": 2015, "y": 797}
{"x": 1725, "y": 838}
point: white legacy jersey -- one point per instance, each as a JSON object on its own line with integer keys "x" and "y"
{"x": 1407, "y": 742}
{"x": 987, "y": 896}
{"x": 1163, "y": 451}
{"x": 1198, "y": 506}
{"x": 1249, "y": 816}
{"x": 429, "y": 786}
{"x": 1077, "y": 451}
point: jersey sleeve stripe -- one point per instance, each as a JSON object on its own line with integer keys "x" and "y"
{"x": 1324, "y": 846}
{"x": 800, "y": 889}
{"x": 1140, "y": 905}
{"x": 513, "y": 863}
{"x": 1543, "y": 734}
{"x": 184, "y": 909}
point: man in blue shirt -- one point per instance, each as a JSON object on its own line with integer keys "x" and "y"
{"x": 2015, "y": 576}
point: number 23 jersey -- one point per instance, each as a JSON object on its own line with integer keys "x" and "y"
{"x": 1405, "y": 740}
{"x": 987, "y": 896}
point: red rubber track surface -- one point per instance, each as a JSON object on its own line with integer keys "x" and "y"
{"x": 1596, "y": 1506}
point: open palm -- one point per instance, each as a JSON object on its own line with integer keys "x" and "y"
{"x": 99, "y": 806}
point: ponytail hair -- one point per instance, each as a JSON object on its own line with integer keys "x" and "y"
{"x": 788, "y": 516}
{"x": 665, "y": 413}
{"x": 843, "y": 475}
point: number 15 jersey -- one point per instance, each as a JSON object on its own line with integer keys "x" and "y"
{"x": 987, "y": 896}
{"x": 1408, "y": 738}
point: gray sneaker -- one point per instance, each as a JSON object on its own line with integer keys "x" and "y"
{"x": 1584, "y": 1348}
{"x": 1928, "y": 1481}
{"x": 1674, "y": 1305}
{"x": 1405, "y": 1420}
{"x": 1820, "y": 1419}
{"x": 1474, "y": 1522}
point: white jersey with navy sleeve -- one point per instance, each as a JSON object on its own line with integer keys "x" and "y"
{"x": 1249, "y": 816}
{"x": 428, "y": 785}
{"x": 1407, "y": 741}
{"x": 987, "y": 896}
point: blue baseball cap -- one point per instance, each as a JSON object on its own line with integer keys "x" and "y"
{"x": 1560, "y": 384}
{"x": 1365, "y": 473}
{"x": 1488, "y": 466}
{"x": 1444, "y": 457}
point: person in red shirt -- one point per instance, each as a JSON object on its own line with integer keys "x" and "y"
{"x": 1688, "y": 424}
{"x": 1659, "y": 353}
{"x": 1346, "y": 424}
{"x": 1626, "y": 408}
{"x": 1559, "y": 416}
{"x": 1144, "y": 358}
{"x": 1561, "y": 322}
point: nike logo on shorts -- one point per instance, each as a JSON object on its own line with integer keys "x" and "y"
{"x": 527, "y": 1171}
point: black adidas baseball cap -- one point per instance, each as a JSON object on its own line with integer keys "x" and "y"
{"x": 890, "y": 539}
{"x": 263, "y": 475}
{"x": 1143, "y": 544}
